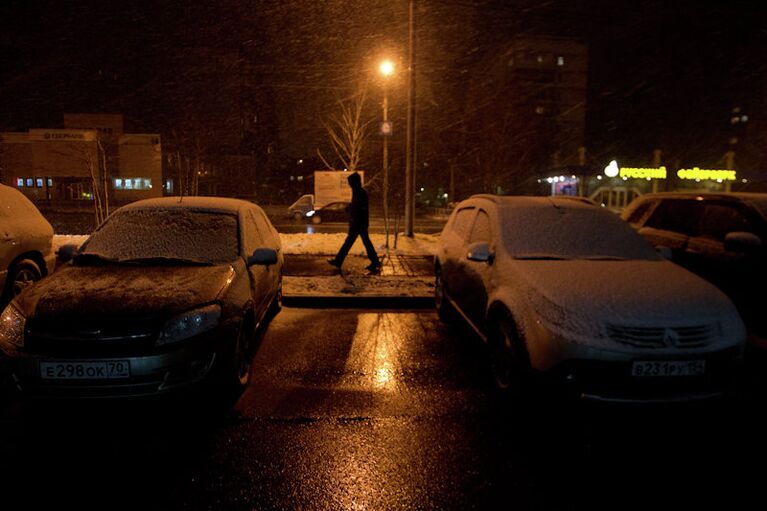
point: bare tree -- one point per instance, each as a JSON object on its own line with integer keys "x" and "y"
{"x": 348, "y": 130}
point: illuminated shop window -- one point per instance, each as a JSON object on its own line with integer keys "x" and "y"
{"x": 39, "y": 182}
{"x": 560, "y": 61}
{"x": 30, "y": 182}
{"x": 50, "y": 182}
{"x": 20, "y": 182}
{"x": 133, "y": 183}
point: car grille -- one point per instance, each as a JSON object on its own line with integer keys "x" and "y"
{"x": 694, "y": 336}
{"x": 92, "y": 338}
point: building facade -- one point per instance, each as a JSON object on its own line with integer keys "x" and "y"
{"x": 65, "y": 167}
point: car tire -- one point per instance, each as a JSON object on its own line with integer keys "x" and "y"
{"x": 445, "y": 309}
{"x": 509, "y": 362}
{"x": 297, "y": 215}
{"x": 316, "y": 219}
{"x": 22, "y": 274}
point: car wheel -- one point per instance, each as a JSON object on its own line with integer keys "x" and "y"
{"x": 445, "y": 309}
{"x": 297, "y": 215}
{"x": 21, "y": 276}
{"x": 509, "y": 362}
{"x": 316, "y": 219}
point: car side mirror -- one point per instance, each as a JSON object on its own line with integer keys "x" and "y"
{"x": 741, "y": 241}
{"x": 263, "y": 256}
{"x": 480, "y": 252}
{"x": 68, "y": 252}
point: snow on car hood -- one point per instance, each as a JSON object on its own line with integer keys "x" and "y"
{"x": 632, "y": 293}
{"x": 118, "y": 289}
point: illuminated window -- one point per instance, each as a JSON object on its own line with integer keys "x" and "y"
{"x": 30, "y": 182}
{"x": 20, "y": 182}
{"x": 169, "y": 185}
{"x": 560, "y": 61}
{"x": 134, "y": 183}
{"x": 50, "y": 183}
{"x": 39, "y": 182}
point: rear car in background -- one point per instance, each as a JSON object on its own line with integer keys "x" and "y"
{"x": 26, "y": 237}
{"x": 166, "y": 295}
{"x": 332, "y": 212}
{"x": 567, "y": 291}
{"x": 721, "y": 237}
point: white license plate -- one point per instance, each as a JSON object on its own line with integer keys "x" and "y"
{"x": 666, "y": 368}
{"x": 101, "y": 370}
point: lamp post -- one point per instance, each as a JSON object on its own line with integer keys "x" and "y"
{"x": 386, "y": 69}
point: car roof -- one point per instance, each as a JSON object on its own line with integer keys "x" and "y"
{"x": 213, "y": 204}
{"x": 526, "y": 201}
{"x": 736, "y": 196}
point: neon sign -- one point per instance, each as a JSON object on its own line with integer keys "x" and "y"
{"x": 703, "y": 174}
{"x": 643, "y": 173}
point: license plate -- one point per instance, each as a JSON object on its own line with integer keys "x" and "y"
{"x": 666, "y": 368}
{"x": 101, "y": 370}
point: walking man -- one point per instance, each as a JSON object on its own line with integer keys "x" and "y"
{"x": 358, "y": 226}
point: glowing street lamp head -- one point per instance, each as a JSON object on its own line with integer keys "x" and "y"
{"x": 386, "y": 68}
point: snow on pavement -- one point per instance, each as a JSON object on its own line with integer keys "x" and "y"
{"x": 336, "y": 285}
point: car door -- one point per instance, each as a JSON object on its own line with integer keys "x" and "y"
{"x": 259, "y": 274}
{"x": 671, "y": 224}
{"x": 270, "y": 239}
{"x": 738, "y": 272}
{"x": 453, "y": 248}
{"x": 475, "y": 275}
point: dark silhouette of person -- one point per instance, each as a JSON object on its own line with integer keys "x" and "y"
{"x": 358, "y": 226}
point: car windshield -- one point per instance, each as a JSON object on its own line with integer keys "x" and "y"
{"x": 761, "y": 206}
{"x": 551, "y": 233}
{"x": 164, "y": 236}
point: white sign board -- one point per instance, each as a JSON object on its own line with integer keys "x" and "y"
{"x": 332, "y": 186}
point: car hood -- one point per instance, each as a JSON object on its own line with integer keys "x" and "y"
{"x": 623, "y": 292}
{"x": 125, "y": 290}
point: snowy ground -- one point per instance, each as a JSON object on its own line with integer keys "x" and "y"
{"x": 350, "y": 284}
{"x": 322, "y": 244}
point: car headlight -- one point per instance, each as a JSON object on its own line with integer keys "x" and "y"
{"x": 310, "y": 213}
{"x": 189, "y": 324}
{"x": 11, "y": 329}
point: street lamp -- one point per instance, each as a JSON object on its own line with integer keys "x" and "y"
{"x": 386, "y": 68}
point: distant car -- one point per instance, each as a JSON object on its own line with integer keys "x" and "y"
{"x": 332, "y": 212}
{"x": 301, "y": 207}
{"x": 167, "y": 294}
{"x": 26, "y": 237}
{"x": 562, "y": 289}
{"x": 720, "y": 236}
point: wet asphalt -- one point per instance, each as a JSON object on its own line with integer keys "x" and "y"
{"x": 378, "y": 410}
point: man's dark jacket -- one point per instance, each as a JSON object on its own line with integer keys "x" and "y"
{"x": 358, "y": 209}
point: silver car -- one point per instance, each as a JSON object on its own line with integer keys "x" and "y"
{"x": 25, "y": 244}
{"x": 568, "y": 291}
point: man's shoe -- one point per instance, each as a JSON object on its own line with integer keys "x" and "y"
{"x": 333, "y": 262}
{"x": 373, "y": 267}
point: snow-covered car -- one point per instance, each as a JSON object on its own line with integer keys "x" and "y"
{"x": 167, "y": 294}
{"x": 565, "y": 290}
{"x": 26, "y": 237}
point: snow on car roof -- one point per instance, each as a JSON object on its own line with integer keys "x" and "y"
{"x": 220, "y": 204}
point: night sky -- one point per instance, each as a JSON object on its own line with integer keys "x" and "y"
{"x": 662, "y": 74}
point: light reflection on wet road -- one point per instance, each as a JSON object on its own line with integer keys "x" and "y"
{"x": 378, "y": 410}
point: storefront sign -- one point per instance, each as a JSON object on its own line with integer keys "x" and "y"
{"x": 704, "y": 174}
{"x": 643, "y": 173}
